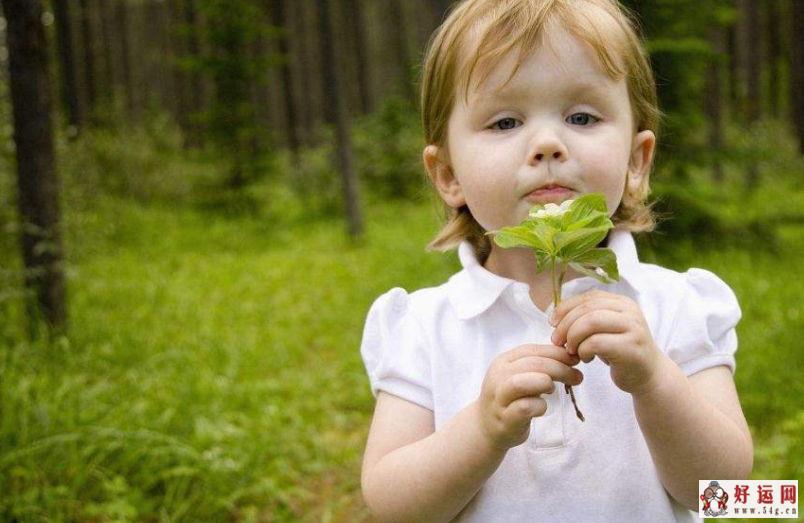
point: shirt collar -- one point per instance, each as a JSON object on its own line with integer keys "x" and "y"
{"x": 475, "y": 288}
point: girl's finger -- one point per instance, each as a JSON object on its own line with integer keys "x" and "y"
{"x": 523, "y": 385}
{"x": 595, "y": 322}
{"x": 559, "y": 336}
{"x": 601, "y": 345}
{"x": 557, "y": 370}
{"x": 532, "y": 350}
{"x": 572, "y": 302}
{"x": 525, "y": 408}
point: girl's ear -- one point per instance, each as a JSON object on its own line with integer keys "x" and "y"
{"x": 641, "y": 158}
{"x": 440, "y": 172}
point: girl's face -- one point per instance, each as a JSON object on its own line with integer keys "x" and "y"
{"x": 560, "y": 128}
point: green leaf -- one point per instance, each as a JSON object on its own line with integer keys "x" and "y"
{"x": 600, "y": 258}
{"x": 518, "y": 236}
{"x": 586, "y": 271}
{"x": 595, "y": 219}
{"x": 584, "y": 206}
{"x": 571, "y": 244}
{"x": 545, "y": 232}
{"x": 569, "y": 238}
{"x": 542, "y": 261}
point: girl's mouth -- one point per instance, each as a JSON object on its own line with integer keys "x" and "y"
{"x": 550, "y": 194}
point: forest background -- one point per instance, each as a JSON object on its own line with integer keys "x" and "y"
{"x": 199, "y": 200}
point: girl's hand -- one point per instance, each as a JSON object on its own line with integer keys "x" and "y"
{"x": 514, "y": 382}
{"x": 598, "y": 323}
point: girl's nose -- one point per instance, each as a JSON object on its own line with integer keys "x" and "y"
{"x": 547, "y": 147}
{"x": 556, "y": 155}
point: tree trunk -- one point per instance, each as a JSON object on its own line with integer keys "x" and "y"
{"x": 311, "y": 66}
{"x": 121, "y": 21}
{"x": 336, "y": 106}
{"x": 357, "y": 28}
{"x": 753, "y": 78}
{"x": 279, "y": 18}
{"x": 399, "y": 47}
{"x": 772, "y": 20}
{"x": 160, "y": 66}
{"x": 713, "y": 105}
{"x": 88, "y": 40}
{"x": 107, "y": 51}
{"x": 36, "y": 170}
{"x": 734, "y": 77}
{"x": 69, "y": 89}
{"x": 797, "y": 71}
{"x": 180, "y": 78}
{"x": 197, "y": 86}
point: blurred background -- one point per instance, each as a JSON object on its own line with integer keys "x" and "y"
{"x": 199, "y": 200}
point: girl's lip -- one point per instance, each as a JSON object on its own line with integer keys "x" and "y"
{"x": 550, "y": 194}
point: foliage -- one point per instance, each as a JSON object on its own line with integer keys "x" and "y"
{"x": 388, "y": 146}
{"x": 680, "y": 55}
{"x": 212, "y": 370}
{"x": 566, "y": 235}
{"x": 143, "y": 163}
{"x": 387, "y": 151}
{"x": 233, "y": 31}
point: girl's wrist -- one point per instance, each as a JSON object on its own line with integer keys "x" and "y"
{"x": 486, "y": 443}
{"x": 657, "y": 380}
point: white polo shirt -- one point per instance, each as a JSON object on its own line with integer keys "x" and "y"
{"x": 432, "y": 347}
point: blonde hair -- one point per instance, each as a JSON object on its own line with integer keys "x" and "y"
{"x": 505, "y": 25}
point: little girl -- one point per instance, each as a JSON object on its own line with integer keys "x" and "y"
{"x": 531, "y": 102}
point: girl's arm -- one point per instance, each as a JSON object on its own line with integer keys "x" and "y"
{"x": 411, "y": 473}
{"x": 694, "y": 426}
{"x": 695, "y": 429}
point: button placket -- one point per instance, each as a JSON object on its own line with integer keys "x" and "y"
{"x": 547, "y": 431}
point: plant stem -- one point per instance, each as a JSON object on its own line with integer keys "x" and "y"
{"x": 558, "y": 279}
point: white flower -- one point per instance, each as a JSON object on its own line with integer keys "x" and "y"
{"x": 552, "y": 209}
{"x": 600, "y": 272}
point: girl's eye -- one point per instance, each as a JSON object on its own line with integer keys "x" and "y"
{"x": 582, "y": 119}
{"x": 504, "y": 124}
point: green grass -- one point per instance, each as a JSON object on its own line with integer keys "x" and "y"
{"x": 212, "y": 370}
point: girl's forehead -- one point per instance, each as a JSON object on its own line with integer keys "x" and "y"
{"x": 557, "y": 56}
{"x": 485, "y": 48}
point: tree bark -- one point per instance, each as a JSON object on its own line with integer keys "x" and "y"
{"x": 107, "y": 82}
{"x": 734, "y": 82}
{"x": 161, "y": 74}
{"x": 121, "y": 21}
{"x": 713, "y": 105}
{"x": 198, "y": 88}
{"x": 753, "y": 79}
{"x": 772, "y": 20}
{"x": 357, "y": 27}
{"x": 797, "y": 71}
{"x": 180, "y": 78}
{"x": 88, "y": 39}
{"x": 399, "y": 46}
{"x": 68, "y": 76}
{"x": 37, "y": 179}
{"x": 279, "y": 18}
{"x": 311, "y": 67}
{"x": 336, "y": 106}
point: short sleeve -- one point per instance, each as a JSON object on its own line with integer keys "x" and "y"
{"x": 703, "y": 333}
{"x": 394, "y": 350}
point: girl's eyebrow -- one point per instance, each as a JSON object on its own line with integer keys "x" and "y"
{"x": 591, "y": 90}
